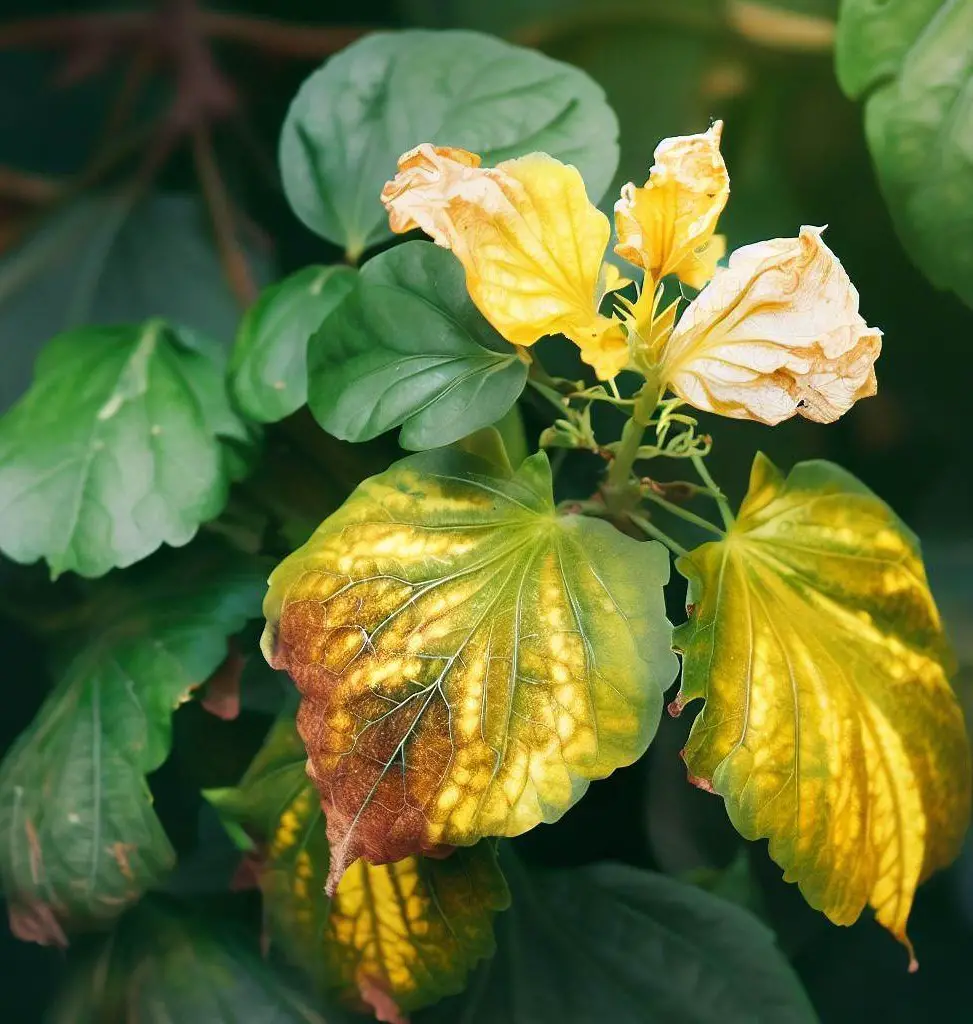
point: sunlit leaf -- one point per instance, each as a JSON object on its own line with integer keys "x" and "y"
{"x": 118, "y": 447}
{"x": 354, "y": 117}
{"x": 911, "y": 62}
{"x": 396, "y": 936}
{"x": 160, "y": 966}
{"x": 79, "y": 839}
{"x": 468, "y": 659}
{"x": 268, "y": 370}
{"x": 615, "y": 944}
{"x": 829, "y": 724}
{"x": 446, "y": 376}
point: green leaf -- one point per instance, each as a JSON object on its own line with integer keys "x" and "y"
{"x": 829, "y": 725}
{"x": 101, "y": 260}
{"x": 161, "y": 966}
{"x": 400, "y": 935}
{"x": 468, "y": 659}
{"x": 354, "y": 117}
{"x": 408, "y": 347}
{"x": 116, "y": 449}
{"x": 268, "y": 369}
{"x": 79, "y": 840}
{"x": 612, "y": 943}
{"x": 911, "y": 62}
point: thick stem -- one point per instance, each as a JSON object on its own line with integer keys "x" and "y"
{"x": 628, "y": 451}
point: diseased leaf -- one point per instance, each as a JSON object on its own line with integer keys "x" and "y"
{"x": 79, "y": 840}
{"x": 118, "y": 447}
{"x": 163, "y": 967}
{"x": 449, "y": 374}
{"x": 468, "y": 659}
{"x": 911, "y": 62}
{"x": 612, "y": 943}
{"x": 396, "y": 937}
{"x": 355, "y": 116}
{"x": 829, "y": 724}
{"x": 268, "y": 369}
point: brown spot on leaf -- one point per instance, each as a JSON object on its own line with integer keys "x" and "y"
{"x": 36, "y": 922}
{"x": 120, "y": 852}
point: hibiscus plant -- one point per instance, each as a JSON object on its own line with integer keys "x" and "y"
{"x": 468, "y": 644}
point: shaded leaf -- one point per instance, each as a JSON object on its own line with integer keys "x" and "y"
{"x": 268, "y": 369}
{"x": 160, "y": 966}
{"x": 911, "y": 62}
{"x": 101, "y": 260}
{"x": 447, "y": 375}
{"x": 354, "y": 117}
{"x": 117, "y": 448}
{"x": 79, "y": 840}
{"x": 401, "y": 935}
{"x": 617, "y": 944}
{"x": 468, "y": 659}
{"x": 829, "y": 724}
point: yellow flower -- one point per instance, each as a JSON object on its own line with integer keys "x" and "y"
{"x": 777, "y": 333}
{"x": 528, "y": 238}
{"x": 666, "y": 227}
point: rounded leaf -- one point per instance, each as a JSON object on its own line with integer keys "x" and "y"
{"x": 354, "y": 117}
{"x": 468, "y": 659}
{"x": 408, "y": 347}
{"x": 612, "y": 943}
{"x": 116, "y": 449}
{"x": 268, "y": 368}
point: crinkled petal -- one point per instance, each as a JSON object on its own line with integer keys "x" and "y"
{"x": 666, "y": 226}
{"x": 530, "y": 241}
{"x": 776, "y": 333}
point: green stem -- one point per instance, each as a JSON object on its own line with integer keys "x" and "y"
{"x": 653, "y": 531}
{"x": 683, "y": 513}
{"x": 719, "y": 496}
{"x": 628, "y": 451}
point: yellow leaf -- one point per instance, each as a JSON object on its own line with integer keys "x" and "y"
{"x": 829, "y": 724}
{"x": 528, "y": 238}
{"x": 666, "y": 227}
{"x": 408, "y": 933}
{"x": 468, "y": 659}
{"x": 396, "y": 937}
{"x": 775, "y": 334}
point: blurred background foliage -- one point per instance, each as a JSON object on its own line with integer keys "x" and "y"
{"x": 138, "y": 178}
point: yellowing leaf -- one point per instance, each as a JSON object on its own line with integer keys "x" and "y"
{"x": 411, "y": 931}
{"x": 829, "y": 724}
{"x": 528, "y": 238}
{"x": 395, "y": 937}
{"x": 666, "y": 227}
{"x": 777, "y": 333}
{"x": 468, "y": 659}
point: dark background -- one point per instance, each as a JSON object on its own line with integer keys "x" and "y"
{"x": 796, "y": 154}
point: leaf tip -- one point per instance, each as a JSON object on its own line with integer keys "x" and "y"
{"x": 382, "y": 1005}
